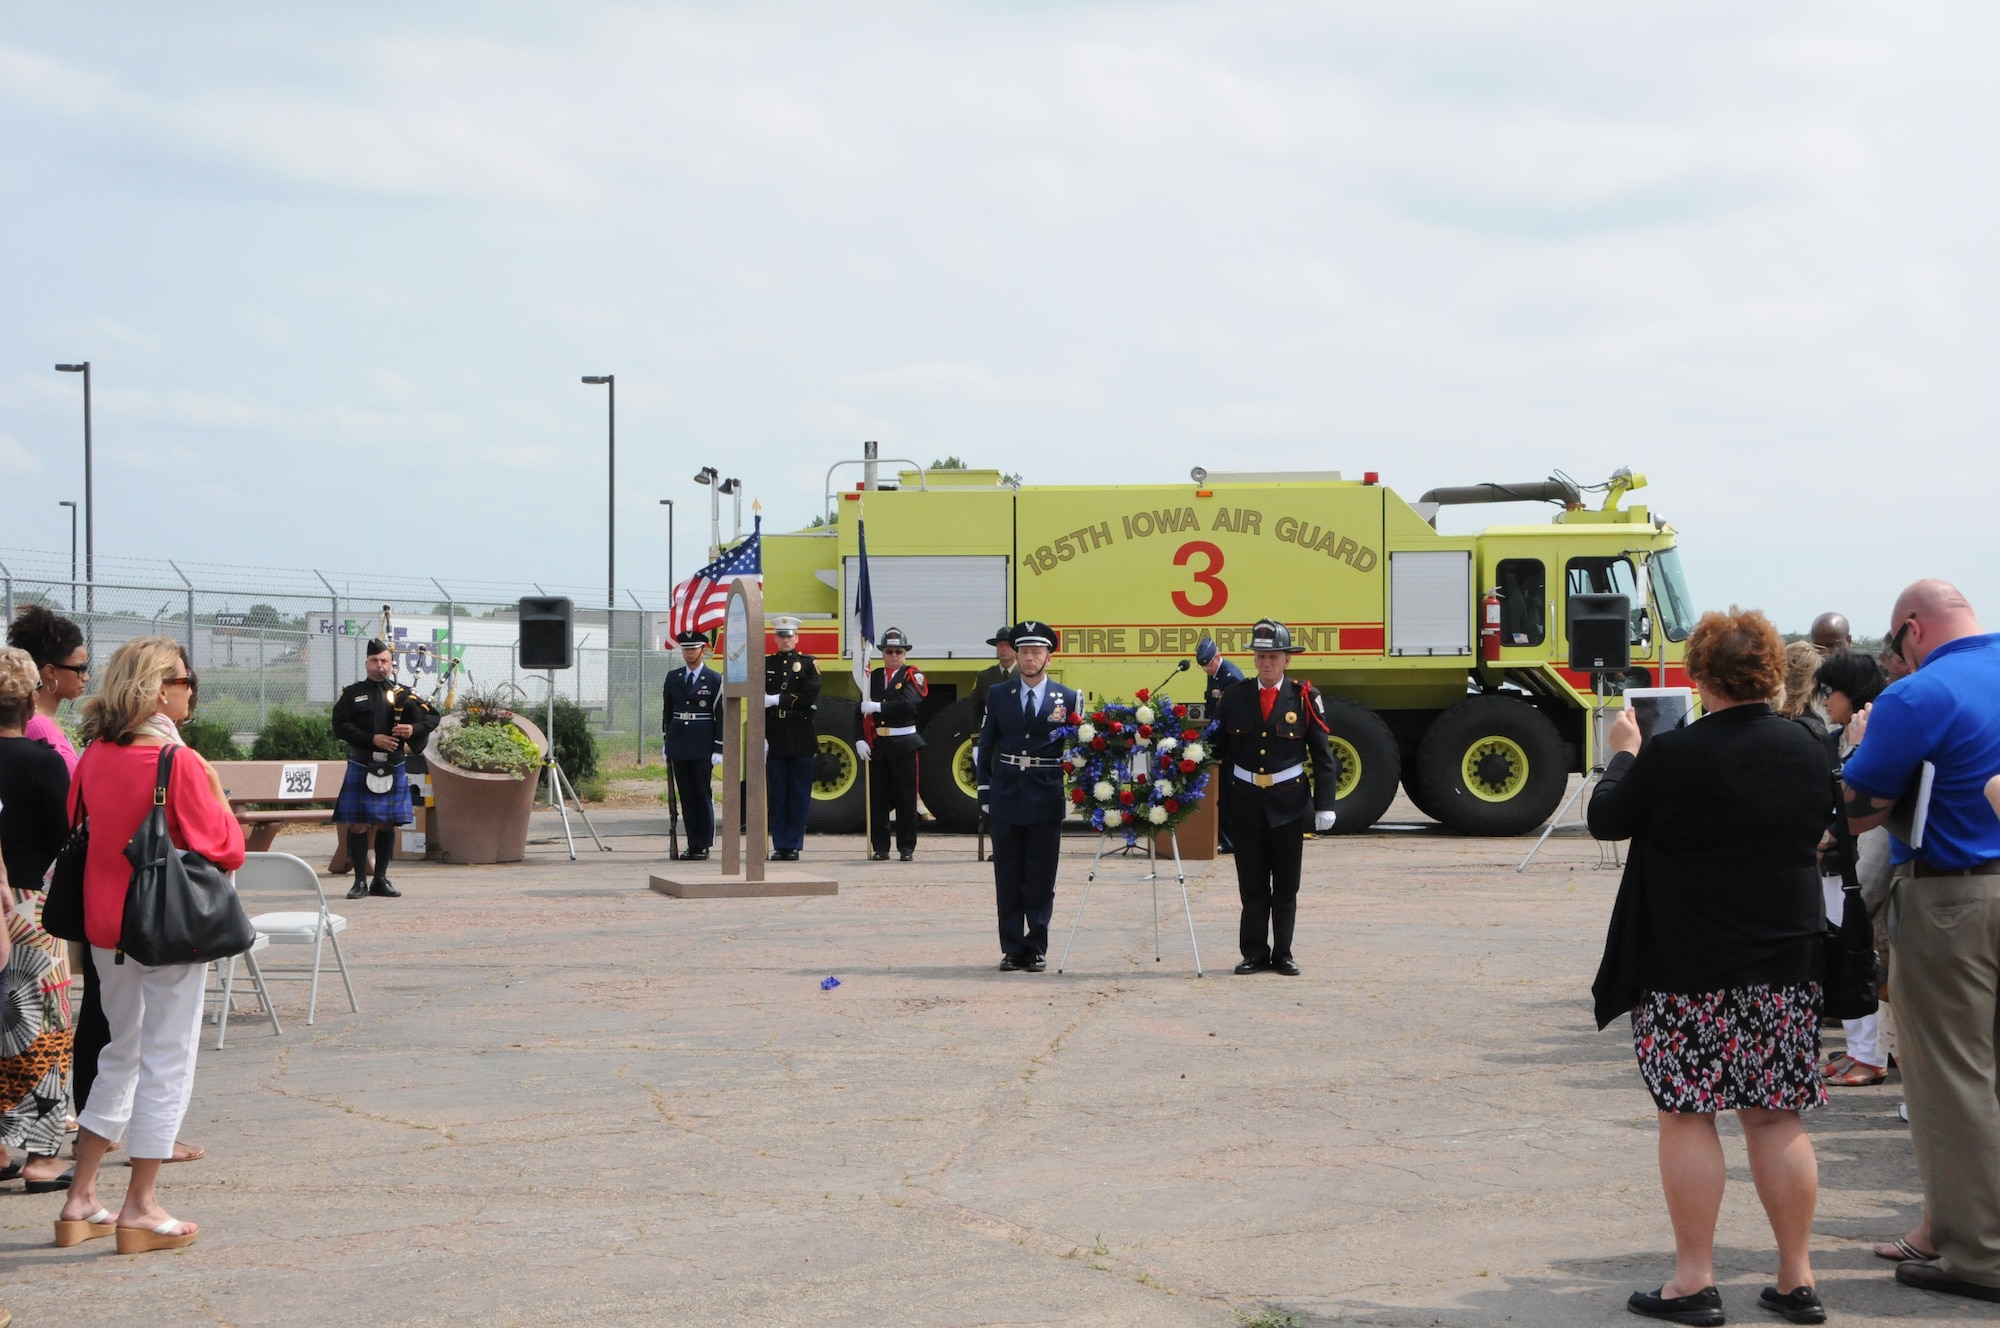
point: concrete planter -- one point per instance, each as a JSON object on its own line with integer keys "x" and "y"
{"x": 482, "y": 818}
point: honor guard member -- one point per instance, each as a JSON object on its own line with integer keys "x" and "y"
{"x": 891, "y": 744}
{"x": 1221, "y": 675}
{"x": 1021, "y": 791}
{"x": 691, "y": 710}
{"x": 791, "y": 695}
{"x": 382, "y": 724}
{"x": 1271, "y": 726}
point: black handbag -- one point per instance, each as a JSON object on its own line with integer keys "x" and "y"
{"x": 180, "y": 908}
{"x": 1852, "y": 982}
{"x": 62, "y": 904}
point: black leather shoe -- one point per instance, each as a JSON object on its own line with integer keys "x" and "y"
{"x": 789, "y": 855}
{"x": 1800, "y": 1304}
{"x": 1704, "y": 1307}
{"x": 1930, "y": 1277}
{"x": 360, "y": 890}
{"x": 878, "y": 857}
{"x": 1288, "y": 967}
{"x": 386, "y": 890}
{"x": 1039, "y": 964}
{"x": 1249, "y": 966}
{"x": 907, "y": 855}
{"x": 1009, "y": 964}
{"x": 694, "y": 855}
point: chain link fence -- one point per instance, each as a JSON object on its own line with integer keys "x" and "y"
{"x": 270, "y": 639}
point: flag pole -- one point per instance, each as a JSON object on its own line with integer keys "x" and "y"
{"x": 864, "y": 613}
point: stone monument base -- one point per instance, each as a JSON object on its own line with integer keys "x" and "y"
{"x": 710, "y": 885}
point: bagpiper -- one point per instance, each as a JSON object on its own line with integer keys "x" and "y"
{"x": 382, "y": 724}
{"x": 791, "y": 696}
{"x": 691, "y": 721}
{"x": 1270, "y": 727}
{"x": 1021, "y": 791}
{"x": 890, "y": 743}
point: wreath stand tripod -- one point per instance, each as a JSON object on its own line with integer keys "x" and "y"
{"x": 1597, "y": 765}
{"x": 559, "y": 782}
{"x": 1153, "y": 876}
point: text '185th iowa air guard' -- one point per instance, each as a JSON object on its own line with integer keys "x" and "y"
{"x": 1270, "y": 727}
{"x": 1021, "y": 791}
{"x": 691, "y": 710}
{"x": 890, "y": 744}
{"x": 791, "y": 695}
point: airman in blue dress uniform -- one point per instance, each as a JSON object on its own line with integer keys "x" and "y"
{"x": 691, "y": 717}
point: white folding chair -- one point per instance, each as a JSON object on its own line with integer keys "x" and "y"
{"x": 227, "y": 990}
{"x": 264, "y": 877}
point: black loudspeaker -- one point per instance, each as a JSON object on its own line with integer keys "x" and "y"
{"x": 546, "y": 632}
{"x": 1600, "y": 633}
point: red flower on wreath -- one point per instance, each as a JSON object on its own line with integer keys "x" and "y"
{"x": 1077, "y": 796}
{"x": 1189, "y": 735}
{"x": 1171, "y": 804}
{"x": 1145, "y": 730}
{"x": 1144, "y": 694}
{"x": 1125, "y": 797}
{"x": 1180, "y": 712}
{"x": 1100, "y": 716}
{"x": 1187, "y": 767}
{"x": 1117, "y": 727}
{"x": 1097, "y": 744}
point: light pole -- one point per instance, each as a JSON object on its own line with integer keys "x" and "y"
{"x": 712, "y": 477}
{"x": 89, "y": 511}
{"x": 610, "y": 383}
{"x": 70, "y": 503}
{"x": 668, "y": 503}
{"x": 734, "y": 487}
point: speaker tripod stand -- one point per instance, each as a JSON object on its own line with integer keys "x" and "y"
{"x": 559, "y": 783}
{"x": 1597, "y": 764}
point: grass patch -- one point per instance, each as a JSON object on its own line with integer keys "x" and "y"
{"x": 1268, "y": 1319}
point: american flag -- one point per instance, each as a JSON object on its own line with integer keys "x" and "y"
{"x": 702, "y": 599}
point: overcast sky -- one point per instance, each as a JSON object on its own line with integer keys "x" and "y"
{"x": 339, "y": 270}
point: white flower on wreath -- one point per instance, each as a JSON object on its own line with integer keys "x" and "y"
{"x": 1142, "y": 743}
{"x": 1104, "y": 791}
{"x": 1158, "y": 816}
{"x": 1085, "y": 732}
{"x": 1164, "y": 787}
{"x": 1168, "y": 744}
{"x": 1145, "y": 714}
{"x": 1113, "y": 817}
{"x": 1193, "y": 753}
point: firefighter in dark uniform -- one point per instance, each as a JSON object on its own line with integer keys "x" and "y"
{"x": 791, "y": 695}
{"x": 1000, "y": 670}
{"x": 691, "y": 717}
{"x": 890, "y": 746}
{"x": 1221, "y": 674}
{"x": 1270, "y": 727}
{"x": 382, "y": 724}
{"x": 1021, "y": 788}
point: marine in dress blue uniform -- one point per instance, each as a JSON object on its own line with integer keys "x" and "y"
{"x": 1021, "y": 790}
{"x": 1271, "y": 728}
{"x": 691, "y": 710}
{"x": 382, "y": 723}
{"x": 1221, "y": 676}
{"x": 896, "y": 694}
{"x": 791, "y": 696}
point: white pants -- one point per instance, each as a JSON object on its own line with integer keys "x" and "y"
{"x": 145, "y": 1075}
{"x": 1863, "y": 1035}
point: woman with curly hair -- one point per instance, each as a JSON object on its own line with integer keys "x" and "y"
{"x": 1715, "y": 950}
{"x": 63, "y": 662}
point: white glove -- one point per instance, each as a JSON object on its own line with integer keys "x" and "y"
{"x": 767, "y": 749}
{"x": 715, "y": 759}
{"x": 770, "y": 699}
{"x": 871, "y": 707}
{"x": 1322, "y": 822}
{"x": 861, "y": 750}
{"x": 984, "y": 810}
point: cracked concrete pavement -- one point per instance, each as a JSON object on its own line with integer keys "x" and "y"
{"x": 570, "y": 1100}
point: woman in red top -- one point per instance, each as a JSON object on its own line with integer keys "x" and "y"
{"x": 146, "y": 1074}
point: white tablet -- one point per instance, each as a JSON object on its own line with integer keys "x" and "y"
{"x": 1660, "y": 708}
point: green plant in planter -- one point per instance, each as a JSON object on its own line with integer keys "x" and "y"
{"x": 211, "y": 739}
{"x": 492, "y": 748}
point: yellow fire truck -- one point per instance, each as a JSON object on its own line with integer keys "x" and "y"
{"x": 1445, "y": 658}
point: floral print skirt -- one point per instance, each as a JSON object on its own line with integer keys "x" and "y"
{"x": 1730, "y": 1049}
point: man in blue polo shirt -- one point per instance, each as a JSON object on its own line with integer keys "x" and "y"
{"x": 1944, "y": 922}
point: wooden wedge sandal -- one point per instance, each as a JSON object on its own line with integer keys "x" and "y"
{"x": 167, "y": 1236}
{"x": 100, "y": 1223}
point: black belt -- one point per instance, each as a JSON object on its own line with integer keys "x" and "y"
{"x": 1922, "y": 868}
{"x": 1029, "y": 762}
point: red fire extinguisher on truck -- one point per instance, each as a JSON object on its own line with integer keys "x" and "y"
{"x": 1489, "y": 627}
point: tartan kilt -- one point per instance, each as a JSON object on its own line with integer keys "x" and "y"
{"x": 357, "y": 806}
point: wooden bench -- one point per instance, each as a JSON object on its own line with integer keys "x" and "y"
{"x": 307, "y": 791}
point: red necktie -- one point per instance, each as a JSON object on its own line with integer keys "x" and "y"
{"x": 1267, "y": 697}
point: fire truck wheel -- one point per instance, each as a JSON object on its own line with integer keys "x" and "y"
{"x": 837, "y": 806}
{"x": 1492, "y": 765}
{"x": 1369, "y": 762}
{"x": 945, "y": 776}
{"x": 1413, "y": 789}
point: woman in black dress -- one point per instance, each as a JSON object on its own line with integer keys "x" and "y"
{"x": 1715, "y": 952}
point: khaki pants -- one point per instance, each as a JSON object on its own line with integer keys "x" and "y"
{"x": 1947, "y": 966}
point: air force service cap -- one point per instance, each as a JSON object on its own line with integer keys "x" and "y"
{"x": 1205, "y": 653}
{"x": 1032, "y": 632}
{"x": 691, "y": 638}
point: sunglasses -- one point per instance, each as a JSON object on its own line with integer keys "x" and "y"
{"x": 80, "y": 670}
{"x": 1896, "y": 641}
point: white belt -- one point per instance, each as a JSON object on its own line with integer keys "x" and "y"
{"x": 1030, "y": 762}
{"x": 899, "y": 731}
{"x": 694, "y": 714}
{"x": 1275, "y": 777}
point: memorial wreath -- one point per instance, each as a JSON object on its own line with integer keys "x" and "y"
{"x": 1138, "y": 768}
